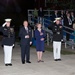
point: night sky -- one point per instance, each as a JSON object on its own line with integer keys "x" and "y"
{"x": 15, "y": 5}
{"x": 16, "y": 10}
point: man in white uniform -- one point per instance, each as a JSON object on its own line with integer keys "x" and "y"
{"x": 8, "y": 41}
{"x": 57, "y": 37}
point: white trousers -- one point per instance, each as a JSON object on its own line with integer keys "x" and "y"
{"x": 7, "y": 54}
{"x": 57, "y": 50}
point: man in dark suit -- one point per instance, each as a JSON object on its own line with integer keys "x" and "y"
{"x": 26, "y": 35}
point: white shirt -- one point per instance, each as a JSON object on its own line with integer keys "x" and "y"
{"x": 26, "y": 28}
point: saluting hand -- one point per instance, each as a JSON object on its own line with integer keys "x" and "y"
{"x": 4, "y": 24}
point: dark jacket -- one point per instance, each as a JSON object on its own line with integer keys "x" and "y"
{"x": 57, "y": 32}
{"x": 66, "y": 22}
{"x": 38, "y": 36}
{"x": 8, "y": 36}
{"x": 55, "y": 16}
{"x": 40, "y": 13}
{"x": 22, "y": 35}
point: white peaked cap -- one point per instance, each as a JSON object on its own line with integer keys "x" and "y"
{"x": 8, "y": 20}
{"x": 56, "y": 19}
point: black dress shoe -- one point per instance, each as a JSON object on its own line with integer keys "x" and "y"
{"x": 38, "y": 61}
{"x": 41, "y": 61}
{"x": 43, "y": 51}
{"x": 10, "y": 64}
{"x": 28, "y": 62}
{"x": 59, "y": 59}
{"x": 23, "y": 62}
{"x": 6, "y": 64}
{"x": 55, "y": 59}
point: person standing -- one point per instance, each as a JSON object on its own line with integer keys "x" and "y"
{"x": 68, "y": 23}
{"x": 40, "y": 15}
{"x": 26, "y": 40}
{"x": 55, "y": 15}
{"x": 35, "y": 16}
{"x": 74, "y": 29}
{"x": 39, "y": 36}
{"x": 72, "y": 16}
{"x": 57, "y": 37}
{"x": 8, "y": 41}
{"x": 62, "y": 15}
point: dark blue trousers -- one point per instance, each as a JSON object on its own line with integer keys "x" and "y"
{"x": 25, "y": 52}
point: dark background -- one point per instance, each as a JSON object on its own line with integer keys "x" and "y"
{"x": 17, "y": 9}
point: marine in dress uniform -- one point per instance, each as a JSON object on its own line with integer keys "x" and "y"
{"x": 8, "y": 41}
{"x": 26, "y": 40}
{"x": 57, "y": 37}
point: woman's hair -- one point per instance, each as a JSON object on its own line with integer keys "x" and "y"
{"x": 37, "y": 25}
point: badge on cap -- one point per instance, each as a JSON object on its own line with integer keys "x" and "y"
{"x": 8, "y": 20}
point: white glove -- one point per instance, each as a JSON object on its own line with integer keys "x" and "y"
{"x": 30, "y": 43}
{"x": 4, "y": 24}
{"x": 61, "y": 39}
{"x": 13, "y": 45}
